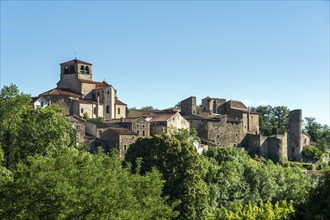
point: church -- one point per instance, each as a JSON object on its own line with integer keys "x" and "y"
{"x": 79, "y": 95}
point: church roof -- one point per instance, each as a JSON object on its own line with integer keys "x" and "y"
{"x": 76, "y": 61}
{"x": 97, "y": 84}
{"x": 59, "y": 91}
{"x": 118, "y": 102}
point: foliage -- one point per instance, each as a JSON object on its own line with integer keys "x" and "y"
{"x": 265, "y": 210}
{"x": 13, "y": 105}
{"x": 189, "y": 135}
{"x": 318, "y": 204}
{"x": 234, "y": 177}
{"x": 27, "y": 131}
{"x": 312, "y": 152}
{"x": 148, "y": 108}
{"x": 318, "y": 133}
{"x": 182, "y": 168}
{"x": 85, "y": 115}
{"x": 272, "y": 120}
{"x": 79, "y": 185}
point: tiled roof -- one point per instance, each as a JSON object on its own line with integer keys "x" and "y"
{"x": 77, "y": 61}
{"x": 97, "y": 84}
{"x": 98, "y": 123}
{"x": 161, "y": 116}
{"x": 59, "y": 91}
{"x": 122, "y": 131}
{"x": 118, "y": 102}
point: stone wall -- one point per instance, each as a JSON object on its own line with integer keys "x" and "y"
{"x": 69, "y": 81}
{"x": 224, "y": 133}
{"x": 120, "y": 111}
{"x": 188, "y": 106}
{"x": 294, "y": 129}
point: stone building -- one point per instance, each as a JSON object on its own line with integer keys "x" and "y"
{"x": 220, "y": 122}
{"x": 231, "y": 123}
{"x": 139, "y": 125}
{"x": 83, "y": 96}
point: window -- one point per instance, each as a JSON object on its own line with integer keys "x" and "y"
{"x": 77, "y": 127}
{"x": 118, "y": 111}
{"x": 138, "y": 132}
{"x": 42, "y": 105}
{"x": 82, "y": 69}
{"x": 95, "y": 110}
{"x": 66, "y": 70}
{"x": 72, "y": 69}
{"x": 125, "y": 147}
{"x": 143, "y": 133}
{"x": 107, "y": 109}
{"x": 87, "y": 70}
{"x": 108, "y": 92}
{"x": 82, "y": 110}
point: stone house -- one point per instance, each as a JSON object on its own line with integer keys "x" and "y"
{"x": 231, "y": 123}
{"x": 79, "y": 125}
{"x": 82, "y": 95}
{"x": 119, "y": 138}
{"x": 220, "y": 122}
{"x": 139, "y": 125}
{"x": 160, "y": 122}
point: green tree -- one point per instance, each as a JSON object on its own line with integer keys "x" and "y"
{"x": 182, "y": 169}
{"x": 318, "y": 205}
{"x": 13, "y": 105}
{"x": 27, "y": 131}
{"x": 235, "y": 178}
{"x": 272, "y": 120}
{"x": 264, "y": 210}
{"x": 318, "y": 133}
{"x": 312, "y": 128}
{"x": 147, "y": 108}
{"x": 79, "y": 185}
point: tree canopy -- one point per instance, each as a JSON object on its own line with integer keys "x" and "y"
{"x": 272, "y": 120}
{"x": 79, "y": 185}
{"x": 27, "y": 131}
{"x": 182, "y": 169}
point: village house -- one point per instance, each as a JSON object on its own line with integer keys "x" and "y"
{"x": 102, "y": 120}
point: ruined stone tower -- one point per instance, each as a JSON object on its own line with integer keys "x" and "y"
{"x": 188, "y": 106}
{"x": 294, "y": 129}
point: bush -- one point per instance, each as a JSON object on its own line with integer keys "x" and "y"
{"x": 312, "y": 152}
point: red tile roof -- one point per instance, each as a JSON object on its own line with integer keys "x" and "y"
{"x": 58, "y": 91}
{"x": 118, "y": 102}
{"x": 97, "y": 84}
{"x": 77, "y": 61}
{"x": 162, "y": 116}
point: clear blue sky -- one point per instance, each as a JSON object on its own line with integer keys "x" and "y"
{"x": 159, "y": 53}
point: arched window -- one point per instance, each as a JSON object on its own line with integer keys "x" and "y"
{"x": 66, "y": 69}
{"x": 107, "y": 109}
{"x": 87, "y": 70}
{"x": 82, "y": 69}
{"x": 72, "y": 69}
{"x": 95, "y": 110}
